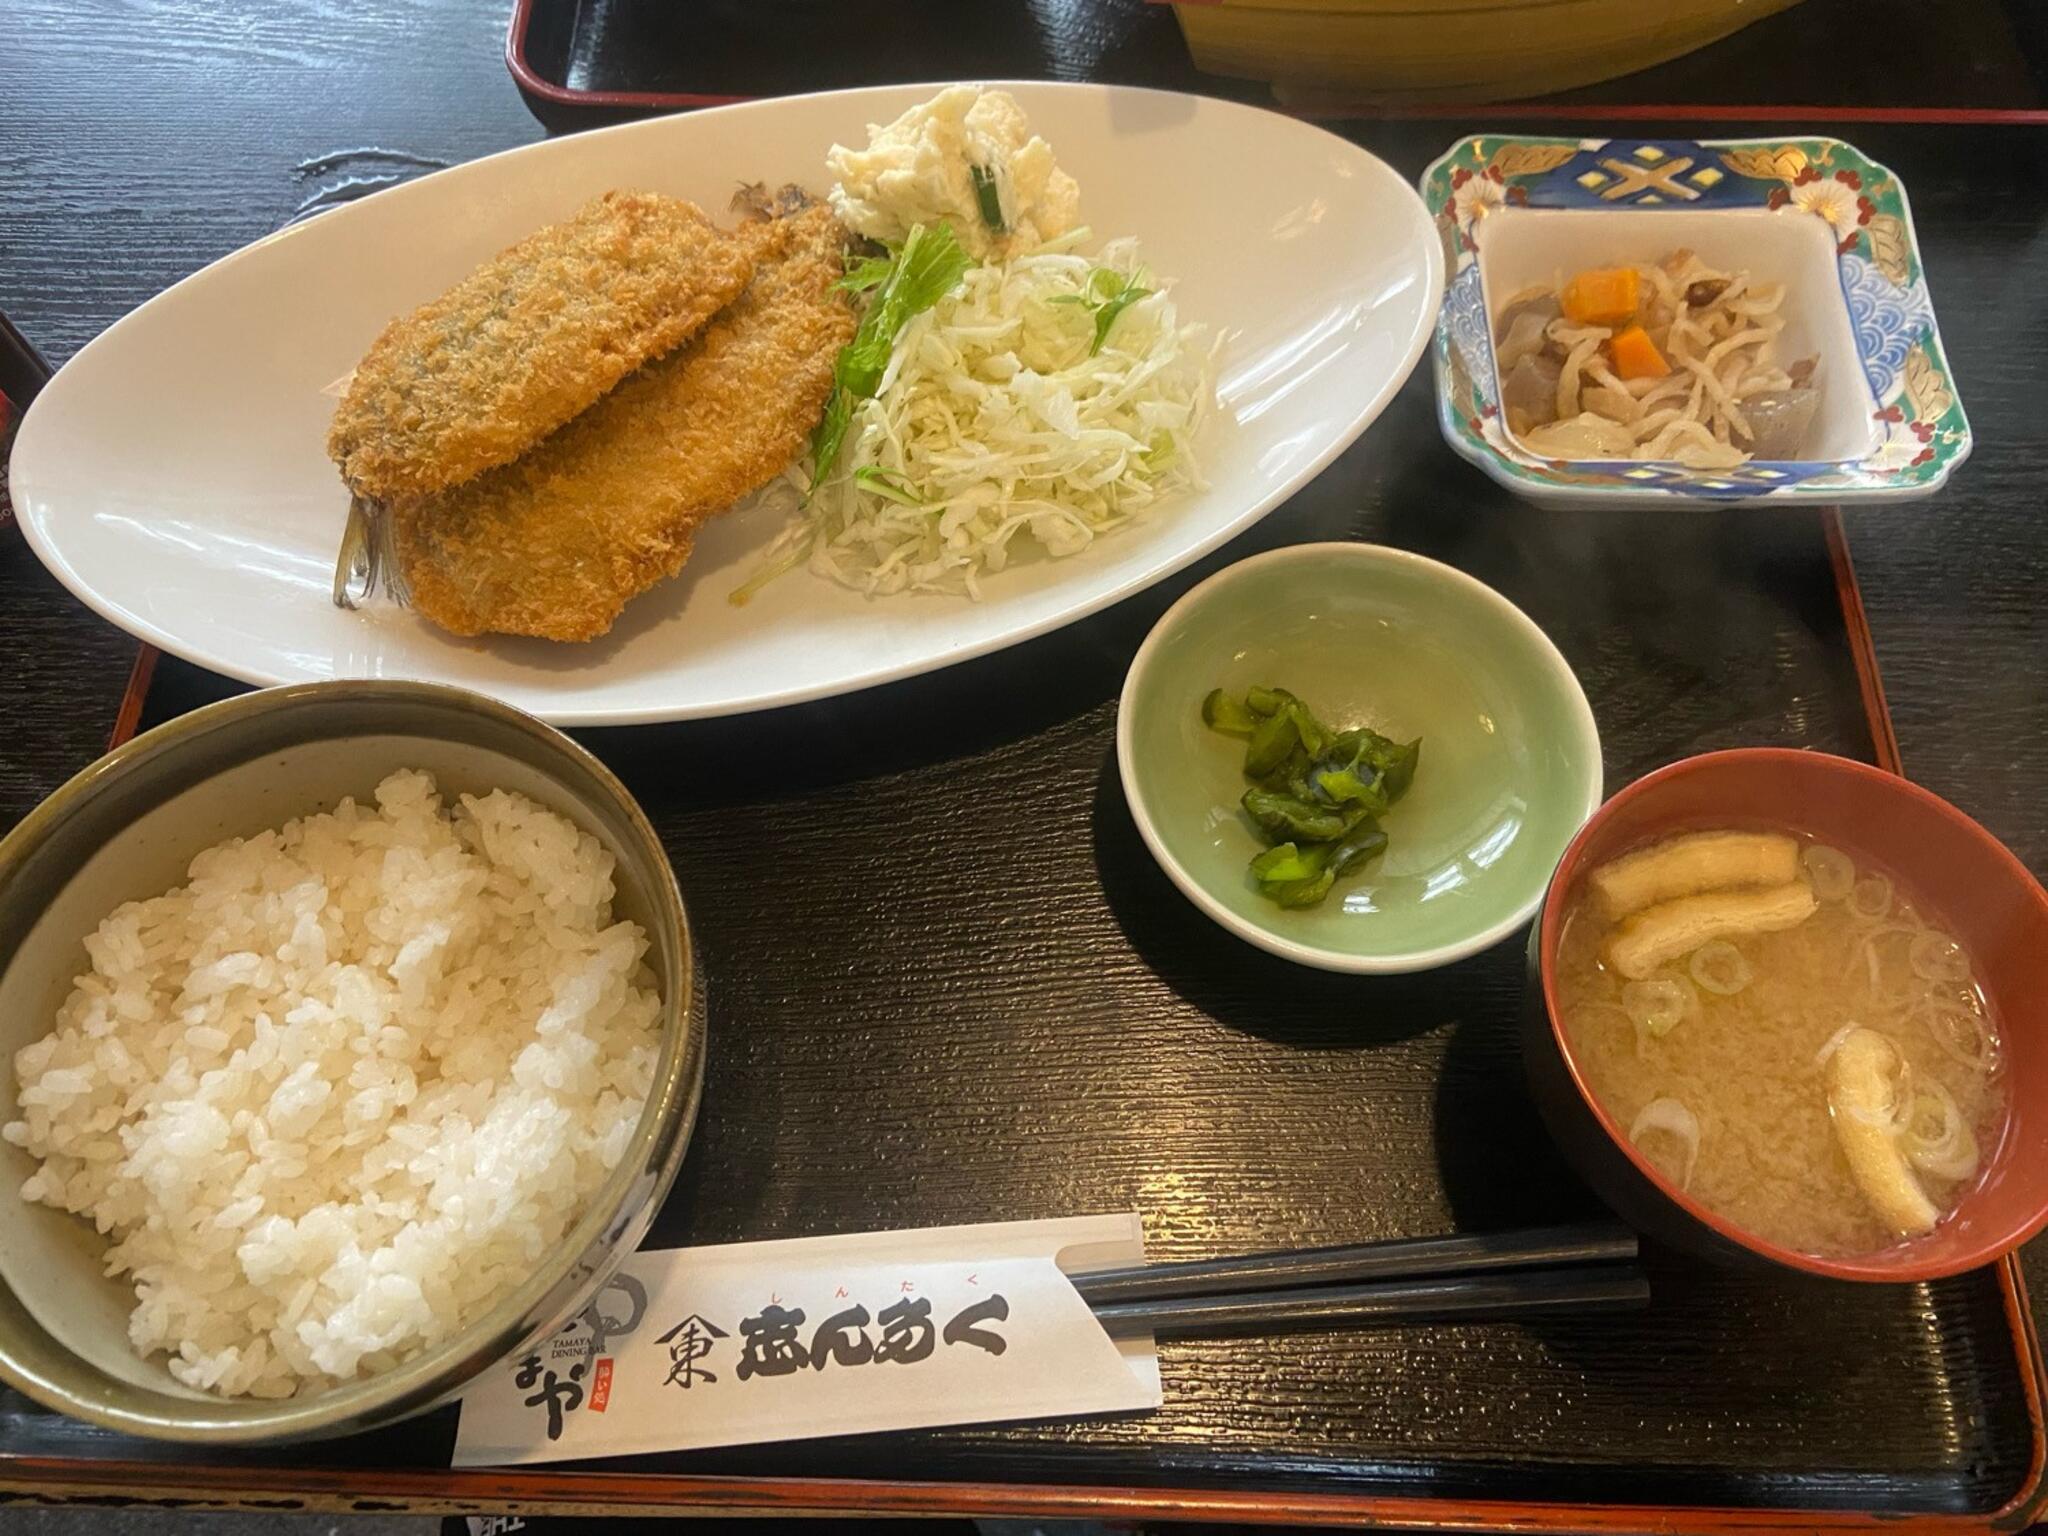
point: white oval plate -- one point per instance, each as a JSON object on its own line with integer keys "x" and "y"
{"x": 174, "y": 473}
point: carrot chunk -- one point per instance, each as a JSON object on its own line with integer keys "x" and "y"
{"x": 1636, "y": 356}
{"x": 1601, "y": 296}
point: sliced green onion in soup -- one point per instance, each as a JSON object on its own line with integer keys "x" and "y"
{"x": 1657, "y": 1006}
{"x": 1830, "y": 872}
{"x": 1673, "y": 1119}
{"x": 1937, "y": 1140}
{"x": 1871, "y": 897}
{"x": 1720, "y": 968}
{"x": 1935, "y": 956}
{"x": 1963, "y": 1034}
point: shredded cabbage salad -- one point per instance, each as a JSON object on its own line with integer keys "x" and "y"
{"x": 1043, "y": 402}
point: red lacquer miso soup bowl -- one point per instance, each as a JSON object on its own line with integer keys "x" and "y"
{"x": 1959, "y": 871}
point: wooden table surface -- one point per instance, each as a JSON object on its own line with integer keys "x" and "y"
{"x": 140, "y": 141}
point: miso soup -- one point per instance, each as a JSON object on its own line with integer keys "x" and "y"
{"x": 1786, "y": 1035}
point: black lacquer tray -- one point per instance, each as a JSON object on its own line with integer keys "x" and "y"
{"x": 949, "y": 985}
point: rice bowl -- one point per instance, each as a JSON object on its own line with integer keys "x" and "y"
{"x": 341, "y": 1090}
{"x": 128, "y": 828}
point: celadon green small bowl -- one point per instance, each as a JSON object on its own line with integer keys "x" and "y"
{"x": 1366, "y": 635}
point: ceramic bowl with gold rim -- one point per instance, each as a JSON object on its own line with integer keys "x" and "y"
{"x": 127, "y": 828}
{"x": 1517, "y": 212}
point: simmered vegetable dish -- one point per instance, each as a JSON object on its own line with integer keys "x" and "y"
{"x": 1672, "y": 361}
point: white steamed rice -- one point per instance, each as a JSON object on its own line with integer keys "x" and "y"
{"x": 348, "y": 1086}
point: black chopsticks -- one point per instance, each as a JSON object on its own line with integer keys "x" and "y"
{"x": 1470, "y": 1276}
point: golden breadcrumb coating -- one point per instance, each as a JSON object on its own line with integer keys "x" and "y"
{"x": 556, "y": 543}
{"x": 529, "y": 340}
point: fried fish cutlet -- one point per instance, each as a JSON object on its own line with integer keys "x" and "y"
{"x": 528, "y": 340}
{"x": 556, "y": 543}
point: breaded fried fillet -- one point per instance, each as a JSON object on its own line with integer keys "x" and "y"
{"x": 558, "y": 542}
{"x": 529, "y": 340}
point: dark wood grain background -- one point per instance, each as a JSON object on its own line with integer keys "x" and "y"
{"x": 948, "y": 984}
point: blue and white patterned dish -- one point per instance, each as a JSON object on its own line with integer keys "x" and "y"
{"x": 1813, "y": 212}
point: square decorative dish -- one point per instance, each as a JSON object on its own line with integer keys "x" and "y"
{"x": 1811, "y": 215}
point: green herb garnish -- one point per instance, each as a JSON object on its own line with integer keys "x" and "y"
{"x": 920, "y": 273}
{"x": 866, "y": 273}
{"x": 989, "y": 197}
{"x": 1107, "y": 294}
{"x": 888, "y": 484}
{"x": 1316, "y": 794}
